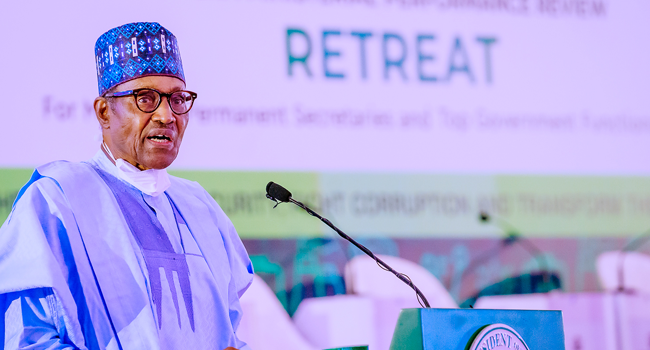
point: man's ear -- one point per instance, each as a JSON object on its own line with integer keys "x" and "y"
{"x": 102, "y": 112}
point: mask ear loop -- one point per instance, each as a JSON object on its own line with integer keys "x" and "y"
{"x": 108, "y": 153}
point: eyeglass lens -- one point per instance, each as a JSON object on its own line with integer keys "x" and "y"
{"x": 148, "y": 101}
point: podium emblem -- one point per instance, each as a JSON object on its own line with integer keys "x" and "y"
{"x": 498, "y": 336}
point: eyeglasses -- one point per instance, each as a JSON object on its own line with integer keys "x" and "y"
{"x": 148, "y": 100}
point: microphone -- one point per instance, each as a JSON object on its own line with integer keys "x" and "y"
{"x": 513, "y": 236}
{"x": 279, "y": 194}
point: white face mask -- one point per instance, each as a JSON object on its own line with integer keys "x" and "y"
{"x": 152, "y": 181}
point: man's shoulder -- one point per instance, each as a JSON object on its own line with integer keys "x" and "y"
{"x": 63, "y": 169}
{"x": 185, "y": 183}
{"x": 187, "y": 188}
{"x": 51, "y": 177}
{"x": 57, "y": 172}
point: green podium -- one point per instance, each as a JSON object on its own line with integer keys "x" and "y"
{"x": 478, "y": 329}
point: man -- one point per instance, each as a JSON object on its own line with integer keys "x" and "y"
{"x": 113, "y": 253}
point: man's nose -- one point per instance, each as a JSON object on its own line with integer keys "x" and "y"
{"x": 164, "y": 113}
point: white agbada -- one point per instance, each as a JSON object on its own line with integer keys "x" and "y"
{"x": 74, "y": 276}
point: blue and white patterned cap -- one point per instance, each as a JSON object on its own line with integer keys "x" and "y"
{"x": 135, "y": 50}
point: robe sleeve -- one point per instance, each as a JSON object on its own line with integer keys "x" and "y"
{"x": 30, "y": 258}
{"x": 32, "y": 320}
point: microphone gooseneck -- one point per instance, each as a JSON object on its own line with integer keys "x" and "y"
{"x": 279, "y": 194}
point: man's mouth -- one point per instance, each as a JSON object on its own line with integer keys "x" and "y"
{"x": 159, "y": 138}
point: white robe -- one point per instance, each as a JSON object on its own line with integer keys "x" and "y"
{"x": 73, "y": 276}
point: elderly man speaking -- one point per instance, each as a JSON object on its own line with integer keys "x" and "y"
{"x": 113, "y": 253}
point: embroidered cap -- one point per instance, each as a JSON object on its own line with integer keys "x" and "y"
{"x": 135, "y": 50}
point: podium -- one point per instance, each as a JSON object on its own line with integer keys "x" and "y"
{"x": 473, "y": 329}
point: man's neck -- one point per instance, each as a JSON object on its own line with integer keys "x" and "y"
{"x": 109, "y": 155}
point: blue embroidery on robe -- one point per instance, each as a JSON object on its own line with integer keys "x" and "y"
{"x": 155, "y": 245}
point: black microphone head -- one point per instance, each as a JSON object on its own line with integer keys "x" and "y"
{"x": 277, "y": 192}
{"x": 484, "y": 216}
{"x": 511, "y": 238}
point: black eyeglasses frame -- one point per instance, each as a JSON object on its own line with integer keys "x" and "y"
{"x": 135, "y": 92}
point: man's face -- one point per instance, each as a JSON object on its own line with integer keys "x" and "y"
{"x": 146, "y": 140}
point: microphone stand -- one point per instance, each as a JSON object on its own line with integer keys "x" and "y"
{"x": 633, "y": 245}
{"x": 620, "y": 270}
{"x": 402, "y": 277}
